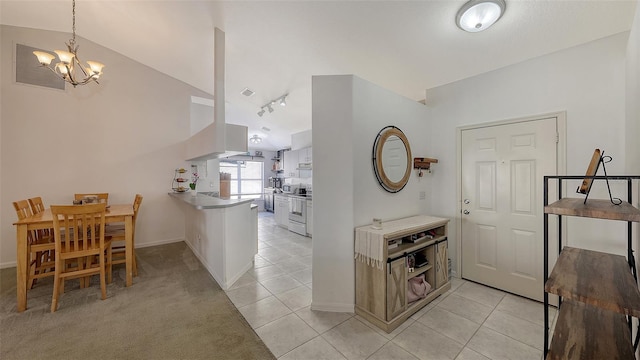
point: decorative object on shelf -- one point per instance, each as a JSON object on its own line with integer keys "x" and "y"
{"x": 67, "y": 68}
{"x": 391, "y": 159}
{"x": 269, "y": 106}
{"x": 597, "y": 158}
{"x": 178, "y": 179}
{"x": 479, "y": 15}
{"x": 377, "y": 224}
{"x": 423, "y": 164}
{"x": 418, "y": 288}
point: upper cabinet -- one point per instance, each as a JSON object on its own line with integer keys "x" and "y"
{"x": 298, "y": 163}
{"x": 291, "y": 163}
{"x": 304, "y": 156}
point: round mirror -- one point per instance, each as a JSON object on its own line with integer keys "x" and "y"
{"x": 392, "y": 159}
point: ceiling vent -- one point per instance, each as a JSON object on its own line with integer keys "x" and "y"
{"x": 247, "y": 92}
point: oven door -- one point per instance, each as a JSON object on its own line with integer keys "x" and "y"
{"x": 297, "y": 209}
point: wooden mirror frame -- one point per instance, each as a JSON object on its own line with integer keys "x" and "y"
{"x": 378, "y": 169}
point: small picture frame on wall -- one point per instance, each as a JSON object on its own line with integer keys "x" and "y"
{"x": 585, "y": 187}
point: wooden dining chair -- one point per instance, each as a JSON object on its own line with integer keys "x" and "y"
{"x": 101, "y": 196}
{"x": 80, "y": 239}
{"x": 116, "y": 232}
{"x": 40, "y": 248}
{"x": 37, "y": 206}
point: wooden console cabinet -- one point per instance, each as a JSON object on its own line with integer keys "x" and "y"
{"x": 383, "y": 259}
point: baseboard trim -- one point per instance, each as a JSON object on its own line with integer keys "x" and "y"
{"x": 346, "y": 308}
{"x": 7, "y": 265}
{"x": 156, "y": 243}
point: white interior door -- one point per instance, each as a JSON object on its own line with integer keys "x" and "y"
{"x": 502, "y": 169}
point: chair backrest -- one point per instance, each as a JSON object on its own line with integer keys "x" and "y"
{"x": 72, "y": 223}
{"x": 24, "y": 211}
{"x": 101, "y": 196}
{"x": 37, "y": 206}
{"x": 136, "y": 205}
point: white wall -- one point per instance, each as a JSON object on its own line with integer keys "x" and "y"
{"x": 632, "y": 140}
{"x": 347, "y": 114}
{"x": 124, "y": 136}
{"x": 587, "y": 81}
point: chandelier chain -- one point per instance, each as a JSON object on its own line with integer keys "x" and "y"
{"x": 73, "y": 12}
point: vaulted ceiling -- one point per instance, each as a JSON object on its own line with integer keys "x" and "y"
{"x": 275, "y": 47}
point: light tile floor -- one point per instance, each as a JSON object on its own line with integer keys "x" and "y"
{"x": 470, "y": 321}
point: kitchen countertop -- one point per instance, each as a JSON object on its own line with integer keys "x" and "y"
{"x": 203, "y": 202}
{"x": 308, "y": 196}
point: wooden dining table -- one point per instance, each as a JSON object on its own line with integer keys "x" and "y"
{"x": 120, "y": 213}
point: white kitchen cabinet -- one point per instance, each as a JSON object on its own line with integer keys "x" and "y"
{"x": 304, "y": 163}
{"x": 291, "y": 163}
{"x": 281, "y": 210}
{"x": 310, "y": 217}
{"x": 304, "y": 155}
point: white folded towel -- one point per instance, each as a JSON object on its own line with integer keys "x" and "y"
{"x": 369, "y": 248}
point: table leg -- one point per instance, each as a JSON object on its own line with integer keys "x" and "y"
{"x": 128, "y": 251}
{"x": 22, "y": 262}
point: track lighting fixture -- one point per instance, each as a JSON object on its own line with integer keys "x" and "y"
{"x": 279, "y": 100}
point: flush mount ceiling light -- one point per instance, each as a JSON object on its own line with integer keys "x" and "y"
{"x": 279, "y": 100}
{"x": 67, "y": 68}
{"x": 478, "y": 15}
{"x": 255, "y": 139}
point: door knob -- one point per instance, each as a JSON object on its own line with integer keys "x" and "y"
{"x": 466, "y": 201}
{"x": 466, "y": 212}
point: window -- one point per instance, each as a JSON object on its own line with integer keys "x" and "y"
{"x": 246, "y": 178}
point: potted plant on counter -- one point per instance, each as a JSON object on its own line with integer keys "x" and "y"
{"x": 194, "y": 181}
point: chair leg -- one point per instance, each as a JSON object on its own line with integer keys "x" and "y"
{"x": 103, "y": 280}
{"x": 32, "y": 272}
{"x": 109, "y": 266}
{"x": 56, "y": 292}
{"x": 135, "y": 264}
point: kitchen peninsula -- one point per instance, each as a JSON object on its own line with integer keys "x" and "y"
{"x": 223, "y": 234}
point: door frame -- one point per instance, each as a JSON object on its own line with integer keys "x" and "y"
{"x": 561, "y": 167}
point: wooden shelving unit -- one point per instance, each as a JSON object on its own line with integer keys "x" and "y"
{"x": 588, "y": 332}
{"x": 598, "y": 288}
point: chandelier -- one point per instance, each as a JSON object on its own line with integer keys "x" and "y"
{"x": 67, "y": 68}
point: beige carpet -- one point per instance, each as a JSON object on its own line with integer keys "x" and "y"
{"x": 174, "y": 310}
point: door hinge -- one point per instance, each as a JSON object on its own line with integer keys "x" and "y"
{"x": 557, "y": 138}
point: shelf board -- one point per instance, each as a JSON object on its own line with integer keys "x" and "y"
{"x": 419, "y": 271}
{"x": 594, "y": 208}
{"x": 601, "y": 334}
{"x": 595, "y": 278}
{"x": 410, "y": 247}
